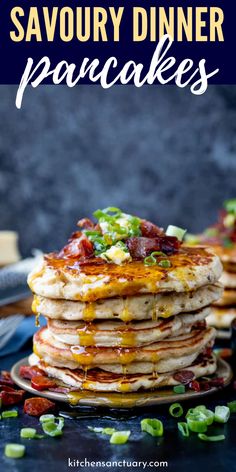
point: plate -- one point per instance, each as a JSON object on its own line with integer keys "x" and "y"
{"x": 121, "y": 400}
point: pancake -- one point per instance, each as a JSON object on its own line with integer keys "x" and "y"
{"x": 139, "y": 307}
{"x": 221, "y": 317}
{"x": 100, "y": 381}
{"x": 118, "y": 334}
{"x": 59, "y": 354}
{"x": 228, "y": 298}
{"x": 228, "y": 279}
{"x": 227, "y": 255}
{"x": 59, "y": 278}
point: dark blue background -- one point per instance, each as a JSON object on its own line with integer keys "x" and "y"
{"x": 13, "y": 56}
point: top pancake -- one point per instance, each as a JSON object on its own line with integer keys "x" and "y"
{"x": 60, "y": 278}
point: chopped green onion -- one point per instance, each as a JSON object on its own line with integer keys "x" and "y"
{"x": 206, "y": 414}
{"x": 28, "y": 433}
{"x": 204, "y": 437}
{"x": 150, "y": 260}
{"x": 39, "y": 436}
{"x": 179, "y": 388}
{"x": 176, "y": 410}
{"x": 14, "y": 451}
{"x": 120, "y": 437}
{"x": 197, "y": 423}
{"x": 154, "y": 427}
{"x": 95, "y": 430}
{"x": 9, "y": 414}
{"x": 51, "y": 428}
{"x": 176, "y": 231}
{"x": 165, "y": 263}
{"x": 230, "y": 205}
{"x": 45, "y": 418}
{"x": 232, "y": 406}
{"x": 108, "y": 431}
{"x": 222, "y": 414}
{"x": 183, "y": 428}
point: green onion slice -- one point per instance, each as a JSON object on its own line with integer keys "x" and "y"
{"x": 179, "y": 388}
{"x": 51, "y": 428}
{"x": 232, "y": 406}
{"x": 176, "y": 410}
{"x": 150, "y": 260}
{"x": 28, "y": 433}
{"x": 197, "y": 423}
{"x": 14, "y": 451}
{"x": 165, "y": 263}
{"x": 230, "y": 206}
{"x": 222, "y": 414}
{"x": 204, "y": 413}
{"x": 45, "y": 418}
{"x": 176, "y": 231}
{"x": 120, "y": 437}
{"x": 154, "y": 427}
{"x": 9, "y": 414}
{"x": 183, "y": 428}
{"x": 204, "y": 437}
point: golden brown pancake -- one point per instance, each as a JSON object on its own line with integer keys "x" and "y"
{"x": 119, "y": 334}
{"x": 228, "y": 298}
{"x": 221, "y": 317}
{"x": 191, "y": 268}
{"x": 137, "y": 307}
{"x": 100, "y": 381}
{"x": 60, "y": 354}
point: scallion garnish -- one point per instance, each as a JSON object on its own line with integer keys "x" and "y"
{"x": 230, "y": 206}
{"x": 120, "y": 437}
{"x": 204, "y": 437}
{"x": 197, "y": 423}
{"x": 28, "y": 433}
{"x": 176, "y": 410}
{"x": 14, "y": 451}
{"x": 51, "y": 428}
{"x": 9, "y": 414}
{"x": 183, "y": 428}
{"x": 45, "y": 418}
{"x": 222, "y": 414}
{"x": 154, "y": 427}
{"x": 152, "y": 259}
{"x": 179, "y": 388}
{"x": 176, "y": 231}
{"x": 165, "y": 263}
{"x": 232, "y": 406}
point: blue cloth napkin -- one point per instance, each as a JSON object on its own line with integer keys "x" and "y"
{"x": 24, "y": 331}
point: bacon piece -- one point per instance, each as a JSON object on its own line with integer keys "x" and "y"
{"x": 27, "y": 372}
{"x": 38, "y": 406}
{"x": 184, "y": 376}
{"x": 140, "y": 248}
{"x": 195, "y": 385}
{"x": 5, "y": 378}
{"x": 86, "y": 223}
{"x": 41, "y": 382}
{"x": 11, "y": 397}
{"x": 77, "y": 247}
{"x": 149, "y": 230}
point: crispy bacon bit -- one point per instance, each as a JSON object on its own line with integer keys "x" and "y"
{"x": 77, "y": 247}
{"x": 149, "y": 230}
{"x": 184, "y": 376}
{"x": 38, "y": 406}
{"x": 140, "y": 248}
{"x": 41, "y": 382}
{"x": 5, "y": 378}
{"x": 9, "y": 396}
{"x": 195, "y": 385}
{"x": 86, "y": 223}
{"x": 27, "y": 372}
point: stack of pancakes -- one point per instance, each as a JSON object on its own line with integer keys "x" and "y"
{"x": 224, "y": 310}
{"x": 122, "y": 328}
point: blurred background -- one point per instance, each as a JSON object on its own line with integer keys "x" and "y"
{"x": 159, "y": 152}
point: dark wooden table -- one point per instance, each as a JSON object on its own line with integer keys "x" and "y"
{"x": 77, "y": 442}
